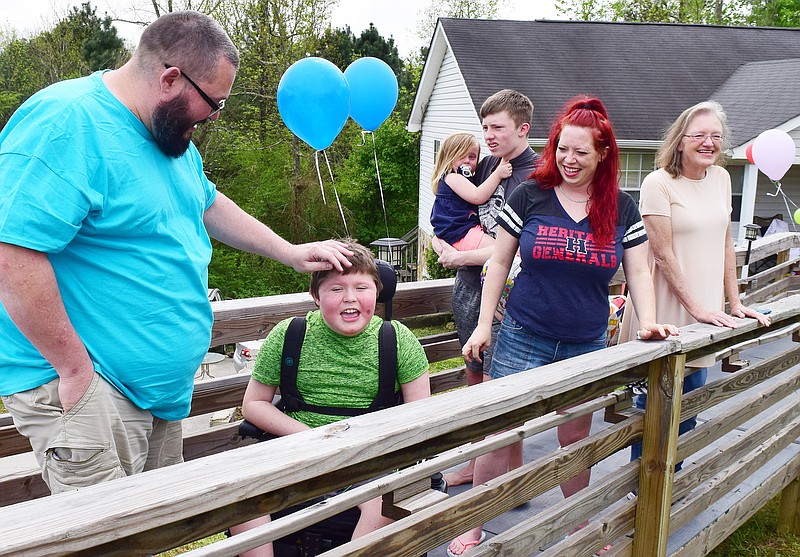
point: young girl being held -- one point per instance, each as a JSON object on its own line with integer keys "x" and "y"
{"x": 454, "y": 216}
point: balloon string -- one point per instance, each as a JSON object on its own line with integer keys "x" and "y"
{"x": 786, "y": 202}
{"x": 380, "y": 184}
{"x": 336, "y": 194}
{"x": 319, "y": 176}
{"x": 777, "y": 191}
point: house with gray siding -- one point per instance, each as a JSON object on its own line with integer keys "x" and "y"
{"x": 646, "y": 74}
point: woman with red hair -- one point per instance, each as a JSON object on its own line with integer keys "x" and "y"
{"x": 573, "y": 227}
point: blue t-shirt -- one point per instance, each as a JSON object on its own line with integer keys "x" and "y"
{"x": 82, "y": 180}
{"x": 562, "y": 289}
{"x": 452, "y": 216}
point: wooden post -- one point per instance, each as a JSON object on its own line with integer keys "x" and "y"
{"x": 789, "y": 511}
{"x": 659, "y": 448}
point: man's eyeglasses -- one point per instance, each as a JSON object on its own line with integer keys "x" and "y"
{"x": 715, "y": 137}
{"x": 215, "y": 106}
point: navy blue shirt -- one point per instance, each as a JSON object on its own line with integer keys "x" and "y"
{"x": 452, "y": 216}
{"x": 562, "y": 289}
{"x": 522, "y": 165}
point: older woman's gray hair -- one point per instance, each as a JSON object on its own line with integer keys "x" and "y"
{"x": 669, "y": 157}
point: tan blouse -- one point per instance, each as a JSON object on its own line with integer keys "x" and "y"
{"x": 699, "y": 211}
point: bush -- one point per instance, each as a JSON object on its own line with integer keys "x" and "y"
{"x": 433, "y": 268}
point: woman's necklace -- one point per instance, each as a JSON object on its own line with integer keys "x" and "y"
{"x": 564, "y": 193}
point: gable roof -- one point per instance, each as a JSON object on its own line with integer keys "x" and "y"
{"x": 645, "y": 73}
{"x": 760, "y": 96}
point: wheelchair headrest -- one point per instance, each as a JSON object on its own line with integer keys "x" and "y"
{"x": 389, "y": 281}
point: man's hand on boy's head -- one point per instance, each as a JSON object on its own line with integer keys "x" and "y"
{"x": 320, "y": 256}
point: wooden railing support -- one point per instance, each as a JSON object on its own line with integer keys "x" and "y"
{"x": 659, "y": 448}
{"x": 789, "y": 511}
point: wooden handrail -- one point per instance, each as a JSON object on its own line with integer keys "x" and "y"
{"x": 149, "y": 511}
{"x": 253, "y": 318}
{"x": 766, "y": 247}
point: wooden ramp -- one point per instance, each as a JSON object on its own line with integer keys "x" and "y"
{"x": 700, "y": 530}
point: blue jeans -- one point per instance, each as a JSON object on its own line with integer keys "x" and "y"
{"x": 690, "y": 383}
{"x": 518, "y": 349}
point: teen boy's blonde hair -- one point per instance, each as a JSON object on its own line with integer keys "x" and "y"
{"x": 363, "y": 261}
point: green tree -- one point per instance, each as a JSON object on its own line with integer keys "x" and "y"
{"x": 102, "y": 48}
{"x": 775, "y": 13}
{"x": 19, "y": 76}
{"x": 338, "y": 45}
{"x": 251, "y": 155}
{"x": 723, "y": 12}
{"x": 342, "y": 47}
{"x": 469, "y": 9}
{"x": 78, "y": 44}
{"x": 397, "y": 153}
{"x": 372, "y": 43}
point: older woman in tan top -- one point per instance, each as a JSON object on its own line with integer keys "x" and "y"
{"x": 686, "y": 208}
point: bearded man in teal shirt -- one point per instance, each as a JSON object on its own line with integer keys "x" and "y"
{"x": 105, "y": 218}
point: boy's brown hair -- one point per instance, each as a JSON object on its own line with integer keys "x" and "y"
{"x": 518, "y": 106}
{"x": 363, "y": 261}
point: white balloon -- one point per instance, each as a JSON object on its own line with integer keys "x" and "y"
{"x": 774, "y": 152}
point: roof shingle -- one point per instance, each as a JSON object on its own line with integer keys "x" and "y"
{"x": 645, "y": 73}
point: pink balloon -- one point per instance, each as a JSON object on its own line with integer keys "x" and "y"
{"x": 774, "y": 153}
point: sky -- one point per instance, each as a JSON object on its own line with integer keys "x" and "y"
{"x": 394, "y": 18}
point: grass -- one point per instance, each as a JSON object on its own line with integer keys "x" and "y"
{"x": 194, "y": 545}
{"x": 758, "y": 537}
{"x": 434, "y": 329}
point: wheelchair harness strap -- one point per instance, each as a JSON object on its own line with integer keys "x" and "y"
{"x": 292, "y": 400}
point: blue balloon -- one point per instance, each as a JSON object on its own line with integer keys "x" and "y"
{"x": 373, "y": 91}
{"x": 314, "y": 101}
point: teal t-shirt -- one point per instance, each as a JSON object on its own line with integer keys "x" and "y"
{"x": 336, "y": 370}
{"x": 82, "y": 180}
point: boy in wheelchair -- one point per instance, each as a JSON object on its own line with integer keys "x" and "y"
{"x": 337, "y": 369}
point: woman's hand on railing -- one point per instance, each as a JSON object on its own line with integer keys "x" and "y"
{"x": 479, "y": 340}
{"x": 656, "y": 331}
{"x": 718, "y": 318}
{"x": 742, "y": 311}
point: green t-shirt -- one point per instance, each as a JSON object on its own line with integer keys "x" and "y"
{"x": 336, "y": 370}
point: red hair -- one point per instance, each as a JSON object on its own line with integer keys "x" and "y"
{"x": 588, "y": 112}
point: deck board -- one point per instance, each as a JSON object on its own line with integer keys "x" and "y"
{"x": 540, "y": 444}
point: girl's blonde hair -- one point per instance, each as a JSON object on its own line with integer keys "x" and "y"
{"x": 454, "y": 147}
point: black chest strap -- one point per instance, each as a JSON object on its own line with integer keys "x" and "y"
{"x": 292, "y": 400}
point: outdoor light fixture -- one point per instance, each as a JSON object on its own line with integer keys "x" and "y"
{"x": 750, "y": 233}
{"x": 390, "y": 250}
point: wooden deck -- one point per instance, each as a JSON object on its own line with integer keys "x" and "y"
{"x": 683, "y": 540}
{"x": 750, "y": 420}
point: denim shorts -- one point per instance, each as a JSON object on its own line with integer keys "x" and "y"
{"x": 518, "y": 349}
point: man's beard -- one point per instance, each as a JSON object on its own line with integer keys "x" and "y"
{"x": 170, "y": 126}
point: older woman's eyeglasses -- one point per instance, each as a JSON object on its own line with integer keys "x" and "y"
{"x": 715, "y": 137}
{"x": 215, "y": 106}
